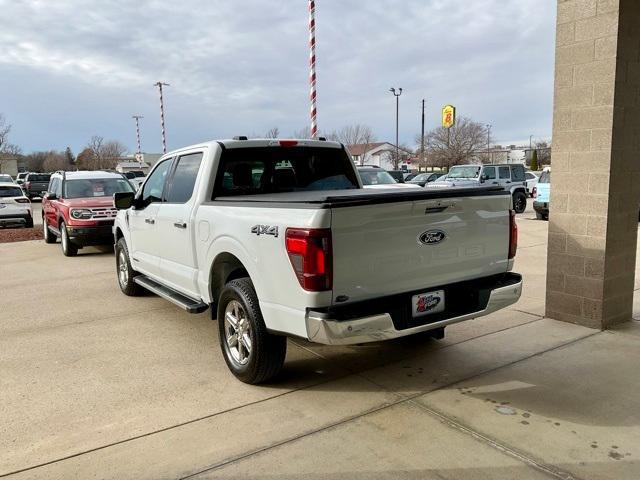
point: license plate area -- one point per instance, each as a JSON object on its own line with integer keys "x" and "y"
{"x": 427, "y": 303}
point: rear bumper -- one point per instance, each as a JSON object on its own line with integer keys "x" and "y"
{"x": 22, "y": 218}
{"x": 337, "y": 326}
{"x": 85, "y": 236}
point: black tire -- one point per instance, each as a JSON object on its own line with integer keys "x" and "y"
{"x": 125, "y": 271}
{"x": 265, "y": 353}
{"x": 539, "y": 216}
{"x": 46, "y": 233}
{"x": 68, "y": 248}
{"x": 29, "y": 223}
{"x": 519, "y": 202}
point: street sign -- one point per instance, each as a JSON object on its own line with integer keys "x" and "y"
{"x": 139, "y": 157}
{"x": 448, "y": 116}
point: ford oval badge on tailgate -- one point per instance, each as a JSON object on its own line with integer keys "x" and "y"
{"x": 432, "y": 237}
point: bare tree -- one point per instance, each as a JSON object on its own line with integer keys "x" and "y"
{"x": 35, "y": 161}
{"x": 272, "y": 133}
{"x": 403, "y": 154}
{"x": 8, "y": 151}
{"x": 544, "y": 152}
{"x": 302, "y": 133}
{"x": 465, "y": 139}
{"x": 357, "y": 134}
{"x": 100, "y": 154}
{"x": 5, "y": 128}
{"x": 55, "y": 161}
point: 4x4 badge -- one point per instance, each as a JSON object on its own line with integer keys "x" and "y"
{"x": 432, "y": 237}
{"x": 264, "y": 230}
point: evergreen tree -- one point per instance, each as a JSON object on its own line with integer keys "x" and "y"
{"x": 534, "y": 160}
{"x": 71, "y": 160}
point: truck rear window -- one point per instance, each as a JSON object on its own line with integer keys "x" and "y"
{"x": 252, "y": 171}
{"x": 39, "y": 178}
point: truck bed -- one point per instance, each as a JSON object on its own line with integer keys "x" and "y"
{"x": 355, "y": 197}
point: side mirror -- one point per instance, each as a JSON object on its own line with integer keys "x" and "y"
{"x": 483, "y": 178}
{"x": 51, "y": 196}
{"x": 123, "y": 200}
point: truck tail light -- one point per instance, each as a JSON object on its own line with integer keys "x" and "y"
{"x": 513, "y": 234}
{"x": 534, "y": 193}
{"x": 311, "y": 257}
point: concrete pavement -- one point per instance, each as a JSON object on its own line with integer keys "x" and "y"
{"x": 97, "y": 384}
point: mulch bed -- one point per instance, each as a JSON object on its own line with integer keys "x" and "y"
{"x": 20, "y": 234}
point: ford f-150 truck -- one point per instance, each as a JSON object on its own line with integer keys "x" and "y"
{"x": 279, "y": 238}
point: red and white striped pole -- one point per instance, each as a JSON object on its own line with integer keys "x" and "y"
{"x": 312, "y": 67}
{"x": 164, "y": 137}
{"x": 137, "y": 119}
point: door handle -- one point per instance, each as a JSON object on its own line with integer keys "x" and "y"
{"x": 180, "y": 225}
{"x": 150, "y": 221}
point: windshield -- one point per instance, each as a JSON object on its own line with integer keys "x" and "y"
{"x": 10, "y": 192}
{"x": 96, "y": 187}
{"x": 423, "y": 177}
{"x": 464, "y": 172}
{"x": 39, "y": 178}
{"x": 545, "y": 177}
{"x": 376, "y": 177}
{"x": 6, "y": 178}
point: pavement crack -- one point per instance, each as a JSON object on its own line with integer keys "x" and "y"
{"x": 543, "y": 467}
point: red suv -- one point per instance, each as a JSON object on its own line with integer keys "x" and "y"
{"x": 78, "y": 208}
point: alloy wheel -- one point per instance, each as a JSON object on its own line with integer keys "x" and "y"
{"x": 237, "y": 330}
{"x": 123, "y": 272}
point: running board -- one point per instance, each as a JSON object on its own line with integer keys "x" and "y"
{"x": 177, "y": 298}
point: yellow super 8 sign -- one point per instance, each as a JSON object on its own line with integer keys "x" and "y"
{"x": 448, "y": 116}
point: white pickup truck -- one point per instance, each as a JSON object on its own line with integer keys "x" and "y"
{"x": 279, "y": 239}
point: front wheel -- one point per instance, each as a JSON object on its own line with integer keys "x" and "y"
{"x": 125, "y": 272}
{"x": 68, "y": 248}
{"x": 46, "y": 233}
{"x": 519, "y": 202}
{"x": 252, "y": 353}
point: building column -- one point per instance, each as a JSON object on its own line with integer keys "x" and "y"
{"x": 595, "y": 180}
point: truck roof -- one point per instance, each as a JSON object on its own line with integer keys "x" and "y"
{"x": 259, "y": 142}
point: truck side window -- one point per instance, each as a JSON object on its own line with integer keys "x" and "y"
{"x": 504, "y": 173}
{"x": 184, "y": 178}
{"x": 154, "y": 185}
{"x": 489, "y": 172}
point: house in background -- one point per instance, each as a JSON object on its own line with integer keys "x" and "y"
{"x": 9, "y": 164}
{"x": 379, "y": 154}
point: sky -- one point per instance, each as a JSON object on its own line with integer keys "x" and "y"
{"x": 70, "y": 69}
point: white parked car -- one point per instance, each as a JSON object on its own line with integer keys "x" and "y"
{"x": 379, "y": 178}
{"x": 532, "y": 180}
{"x": 5, "y": 178}
{"x": 15, "y": 207}
{"x": 279, "y": 238}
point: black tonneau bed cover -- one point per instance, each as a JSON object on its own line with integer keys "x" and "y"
{"x": 354, "y": 197}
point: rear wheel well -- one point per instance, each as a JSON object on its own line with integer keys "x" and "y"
{"x": 226, "y": 267}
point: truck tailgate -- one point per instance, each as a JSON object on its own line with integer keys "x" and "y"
{"x": 377, "y": 249}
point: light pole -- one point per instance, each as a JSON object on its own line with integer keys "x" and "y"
{"x": 530, "y": 142}
{"x": 488, "y": 142}
{"x": 397, "y": 93}
{"x": 139, "y": 150}
{"x": 164, "y": 137}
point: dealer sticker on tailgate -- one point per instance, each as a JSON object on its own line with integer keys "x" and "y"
{"x": 428, "y": 303}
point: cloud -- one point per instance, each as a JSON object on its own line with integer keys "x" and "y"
{"x": 241, "y": 67}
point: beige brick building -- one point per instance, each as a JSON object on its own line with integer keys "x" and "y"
{"x": 596, "y": 135}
